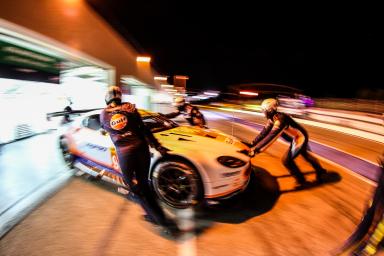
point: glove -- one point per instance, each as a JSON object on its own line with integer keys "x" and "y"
{"x": 162, "y": 150}
{"x": 244, "y": 151}
{"x": 253, "y": 152}
{"x": 248, "y": 144}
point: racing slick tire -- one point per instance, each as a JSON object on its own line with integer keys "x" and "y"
{"x": 67, "y": 155}
{"x": 178, "y": 184}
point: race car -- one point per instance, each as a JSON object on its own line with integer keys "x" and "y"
{"x": 201, "y": 164}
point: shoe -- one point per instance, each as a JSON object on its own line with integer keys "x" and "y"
{"x": 173, "y": 231}
{"x": 133, "y": 197}
{"x": 149, "y": 219}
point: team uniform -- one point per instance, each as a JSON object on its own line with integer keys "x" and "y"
{"x": 191, "y": 113}
{"x": 280, "y": 124}
{"x": 131, "y": 138}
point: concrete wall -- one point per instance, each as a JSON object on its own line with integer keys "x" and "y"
{"x": 75, "y": 24}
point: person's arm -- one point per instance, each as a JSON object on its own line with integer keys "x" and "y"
{"x": 147, "y": 133}
{"x": 267, "y": 128}
{"x": 172, "y": 114}
{"x": 277, "y": 128}
{"x": 101, "y": 118}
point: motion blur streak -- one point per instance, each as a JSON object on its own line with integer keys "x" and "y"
{"x": 187, "y": 242}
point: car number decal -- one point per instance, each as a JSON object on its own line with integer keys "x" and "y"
{"x": 228, "y": 140}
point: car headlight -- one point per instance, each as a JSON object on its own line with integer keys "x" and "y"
{"x": 230, "y": 161}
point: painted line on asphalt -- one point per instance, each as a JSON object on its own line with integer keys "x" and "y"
{"x": 345, "y": 152}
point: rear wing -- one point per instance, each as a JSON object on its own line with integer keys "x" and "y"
{"x": 69, "y": 112}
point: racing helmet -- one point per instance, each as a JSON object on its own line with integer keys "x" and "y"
{"x": 113, "y": 94}
{"x": 269, "y": 107}
{"x": 179, "y": 101}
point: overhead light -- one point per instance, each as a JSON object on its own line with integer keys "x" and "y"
{"x": 26, "y": 70}
{"x": 143, "y": 59}
{"x": 131, "y": 80}
{"x": 249, "y": 93}
{"x": 167, "y": 85}
{"x": 211, "y": 93}
{"x": 182, "y": 77}
{"x": 200, "y": 97}
{"x": 161, "y": 78}
{"x": 27, "y": 45}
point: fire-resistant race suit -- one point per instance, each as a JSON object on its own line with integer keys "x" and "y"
{"x": 130, "y": 135}
{"x": 282, "y": 124}
{"x": 191, "y": 113}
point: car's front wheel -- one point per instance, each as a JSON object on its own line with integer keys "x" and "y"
{"x": 178, "y": 184}
{"x": 67, "y": 155}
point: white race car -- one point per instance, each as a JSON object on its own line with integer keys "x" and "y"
{"x": 201, "y": 164}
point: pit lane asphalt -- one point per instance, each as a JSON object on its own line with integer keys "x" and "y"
{"x": 88, "y": 218}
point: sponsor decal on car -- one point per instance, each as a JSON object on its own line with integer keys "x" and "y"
{"x": 99, "y": 148}
{"x": 118, "y": 121}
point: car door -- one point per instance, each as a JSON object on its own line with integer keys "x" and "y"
{"x": 94, "y": 145}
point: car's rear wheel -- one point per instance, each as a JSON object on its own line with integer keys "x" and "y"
{"x": 66, "y": 153}
{"x": 178, "y": 184}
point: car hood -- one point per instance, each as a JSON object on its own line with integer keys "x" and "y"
{"x": 204, "y": 140}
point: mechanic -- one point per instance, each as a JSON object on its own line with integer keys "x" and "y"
{"x": 131, "y": 137}
{"x": 191, "y": 113}
{"x": 67, "y": 116}
{"x": 282, "y": 124}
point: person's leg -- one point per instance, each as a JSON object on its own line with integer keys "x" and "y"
{"x": 133, "y": 163}
{"x": 320, "y": 171}
{"x": 149, "y": 202}
{"x": 288, "y": 161}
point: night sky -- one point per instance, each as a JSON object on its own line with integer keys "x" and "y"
{"x": 320, "y": 49}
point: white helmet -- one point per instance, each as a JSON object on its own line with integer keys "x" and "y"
{"x": 269, "y": 105}
{"x": 178, "y": 101}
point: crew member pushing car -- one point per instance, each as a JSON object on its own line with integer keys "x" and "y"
{"x": 191, "y": 113}
{"x": 282, "y": 124}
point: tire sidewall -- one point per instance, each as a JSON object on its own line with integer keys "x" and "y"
{"x": 183, "y": 165}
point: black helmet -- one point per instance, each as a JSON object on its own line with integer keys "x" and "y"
{"x": 113, "y": 94}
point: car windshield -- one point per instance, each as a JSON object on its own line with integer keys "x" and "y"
{"x": 158, "y": 123}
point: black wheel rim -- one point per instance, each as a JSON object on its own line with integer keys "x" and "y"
{"x": 177, "y": 186}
